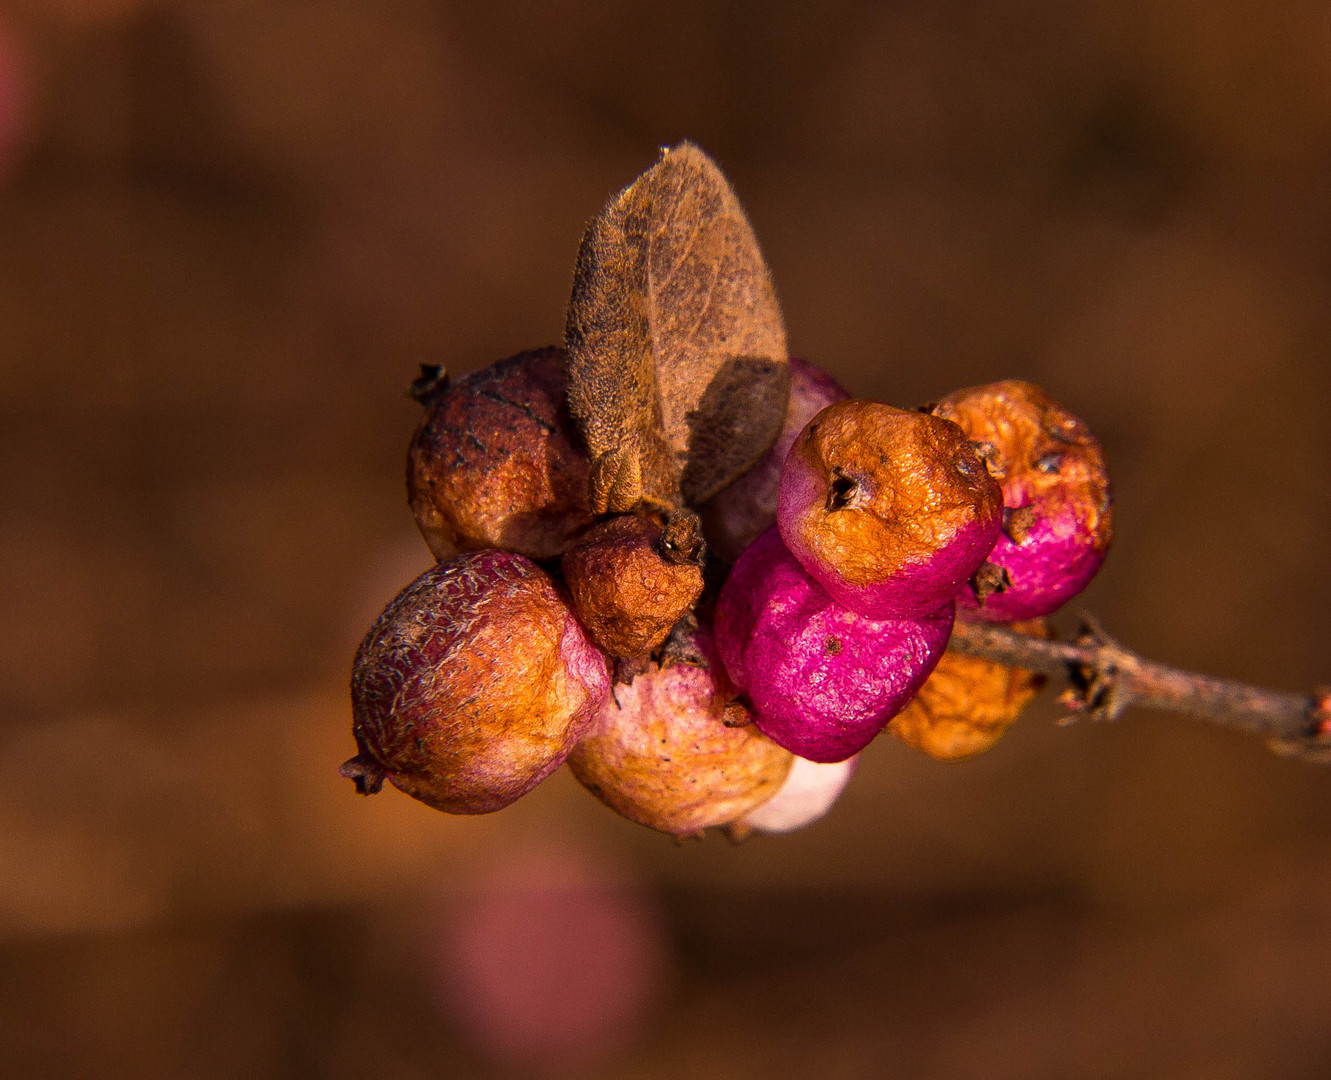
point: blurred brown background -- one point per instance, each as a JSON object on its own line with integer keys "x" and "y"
{"x": 229, "y": 232}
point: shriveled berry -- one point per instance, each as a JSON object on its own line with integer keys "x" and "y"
{"x": 967, "y": 703}
{"x": 736, "y": 517}
{"x": 823, "y": 679}
{"x": 890, "y": 511}
{"x": 672, "y": 750}
{"x": 631, "y": 581}
{"x": 473, "y": 685}
{"x": 497, "y": 463}
{"x": 810, "y": 790}
{"x": 1058, "y": 521}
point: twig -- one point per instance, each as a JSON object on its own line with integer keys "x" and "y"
{"x": 1106, "y": 678}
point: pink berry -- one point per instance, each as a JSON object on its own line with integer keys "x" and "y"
{"x": 497, "y": 463}
{"x": 1058, "y": 517}
{"x": 473, "y": 685}
{"x": 890, "y": 511}
{"x": 823, "y": 679}
{"x": 736, "y": 517}
{"x": 672, "y": 752}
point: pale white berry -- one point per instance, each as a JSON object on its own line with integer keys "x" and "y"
{"x": 808, "y": 793}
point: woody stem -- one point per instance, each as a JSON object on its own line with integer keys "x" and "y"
{"x": 1105, "y": 678}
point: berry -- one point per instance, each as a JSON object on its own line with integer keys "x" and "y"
{"x": 631, "y": 581}
{"x": 473, "y": 685}
{"x": 810, "y": 790}
{"x": 496, "y": 461}
{"x": 967, "y": 704}
{"x": 890, "y": 511}
{"x": 736, "y": 517}
{"x": 823, "y": 679}
{"x": 1058, "y": 520}
{"x": 664, "y": 756}
{"x": 747, "y": 508}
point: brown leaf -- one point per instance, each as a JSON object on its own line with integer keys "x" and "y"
{"x": 678, "y": 375}
{"x": 730, "y": 421}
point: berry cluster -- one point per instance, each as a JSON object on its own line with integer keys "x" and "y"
{"x": 775, "y": 595}
{"x": 496, "y": 665}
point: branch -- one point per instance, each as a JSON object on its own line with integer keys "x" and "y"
{"x": 1107, "y": 678}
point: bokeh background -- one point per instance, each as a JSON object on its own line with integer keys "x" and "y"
{"x": 228, "y": 234}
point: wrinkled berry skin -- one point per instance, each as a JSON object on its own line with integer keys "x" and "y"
{"x": 473, "y": 685}
{"x": 890, "y": 511}
{"x": 967, "y": 703}
{"x": 810, "y": 791}
{"x": 823, "y": 679}
{"x": 746, "y": 509}
{"x": 497, "y": 463}
{"x": 1059, "y": 516}
{"x": 664, "y": 755}
{"x": 630, "y": 583}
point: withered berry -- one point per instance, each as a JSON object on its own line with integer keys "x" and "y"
{"x": 473, "y": 685}
{"x": 674, "y": 752}
{"x": 631, "y": 581}
{"x": 736, "y": 517}
{"x": 1058, "y": 519}
{"x": 890, "y": 511}
{"x": 823, "y": 679}
{"x": 497, "y": 463}
{"x": 967, "y": 703}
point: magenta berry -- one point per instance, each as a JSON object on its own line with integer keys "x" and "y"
{"x": 746, "y": 509}
{"x": 823, "y": 679}
{"x": 890, "y": 511}
{"x": 473, "y": 685}
{"x": 1058, "y": 518}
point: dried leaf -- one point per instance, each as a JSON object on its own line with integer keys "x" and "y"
{"x": 678, "y": 375}
{"x": 744, "y": 393}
